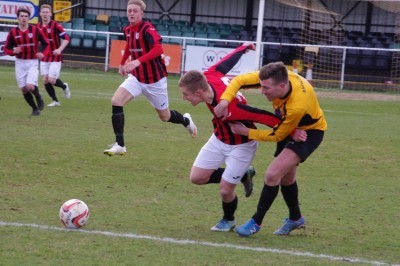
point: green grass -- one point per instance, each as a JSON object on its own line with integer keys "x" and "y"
{"x": 349, "y": 188}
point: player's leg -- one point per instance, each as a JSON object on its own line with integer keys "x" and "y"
{"x": 299, "y": 151}
{"x": 47, "y": 82}
{"x": 126, "y": 92}
{"x": 229, "y": 206}
{"x": 157, "y": 94}
{"x": 279, "y": 167}
{"x": 32, "y": 81}
{"x": 290, "y": 193}
{"x": 238, "y": 160}
{"x": 54, "y": 74}
{"x": 206, "y": 167}
{"x": 21, "y": 73}
{"x": 206, "y": 170}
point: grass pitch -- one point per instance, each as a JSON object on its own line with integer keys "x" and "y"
{"x": 144, "y": 211}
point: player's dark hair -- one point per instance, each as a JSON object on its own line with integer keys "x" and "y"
{"x": 276, "y": 71}
{"x": 23, "y": 10}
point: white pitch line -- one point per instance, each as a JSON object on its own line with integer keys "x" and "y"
{"x": 202, "y": 243}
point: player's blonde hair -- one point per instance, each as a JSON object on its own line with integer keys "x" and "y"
{"x": 45, "y": 6}
{"x": 139, "y": 3}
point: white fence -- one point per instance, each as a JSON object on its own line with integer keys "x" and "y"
{"x": 333, "y": 68}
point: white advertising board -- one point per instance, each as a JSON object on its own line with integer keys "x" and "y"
{"x": 3, "y": 56}
{"x": 201, "y": 58}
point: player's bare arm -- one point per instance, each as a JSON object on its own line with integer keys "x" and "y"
{"x": 239, "y": 128}
{"x": 298, "y": 135}
{"x": 60, "y": 49}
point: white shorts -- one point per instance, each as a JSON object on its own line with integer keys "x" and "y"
{"x": 26, "y": 72}
{"x": 156, "y": 93}
{"x": 50, "y": 69}
{"x": 237, "y": 158}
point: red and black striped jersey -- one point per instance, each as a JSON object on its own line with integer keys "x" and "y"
{"x": 144, "y": 44}
{"x": 28, "y": 40}
{"x": 54, "y": 33}
{"x": 238, "y": 109}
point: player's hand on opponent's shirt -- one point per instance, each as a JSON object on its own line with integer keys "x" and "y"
{"x": 40, "y": 56}
{"x": 299, "y": 135}
{"x": 221, "y": 110}
{"x": 239, "y": 128}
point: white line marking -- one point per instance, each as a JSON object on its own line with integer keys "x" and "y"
{"x": 202, "y": 243}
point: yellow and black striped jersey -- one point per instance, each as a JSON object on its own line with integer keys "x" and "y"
{"x": 298, "y": 109}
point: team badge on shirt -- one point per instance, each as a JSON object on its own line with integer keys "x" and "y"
{"x": 137, "y": 35}
{"x": 30, "y": 35}
{"x": 48, "y": 30}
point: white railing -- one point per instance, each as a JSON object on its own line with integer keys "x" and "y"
{"x": 185, "y": 40}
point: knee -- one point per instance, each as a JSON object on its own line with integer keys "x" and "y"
{"x": 115, "y": 102}
{"x": 51, "y": 81}
{"x": 29, "y": 87}
{"x": 227, "y": 194}
{"x": 164, "y": 117}
{"x": 198, "y": 179}
{"x": 272, "y": 179}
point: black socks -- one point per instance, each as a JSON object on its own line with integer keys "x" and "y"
{"x": 229, "y": 209}
{"x": 60, "y": 84}
{"x": 118, "y": 122}
{"x": 290, "y": 194}
{"x": 50, "y": 90}
{"x": 177, "y": 118}
{"x": 29, "y": 99}
{"x": 216, "y": 176}
{"x": 267, "y": 197}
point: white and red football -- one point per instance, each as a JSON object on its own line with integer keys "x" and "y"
{"x": 74, "y": 213}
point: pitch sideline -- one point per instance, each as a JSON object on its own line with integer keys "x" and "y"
{"x": 202, "y": 243}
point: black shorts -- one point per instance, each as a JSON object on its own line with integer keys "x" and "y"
{"x": 302, "y": 149}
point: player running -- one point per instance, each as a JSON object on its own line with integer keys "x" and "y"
{"x": 147, "y": 75}
{"x": 50, "y": 66}
{"x": 23, "y": 43}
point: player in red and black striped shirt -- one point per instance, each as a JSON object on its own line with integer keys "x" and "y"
{"x": 50, "y": 66}
{"x": 146, "y": 75}
{"x": 224, "y": 146}
{"x": 23, "y": 43}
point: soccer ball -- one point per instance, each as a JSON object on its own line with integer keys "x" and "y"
{"x": 74, "y": 214}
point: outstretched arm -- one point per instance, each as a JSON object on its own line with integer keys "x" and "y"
{"x": 230, "y": 60}
{"x": 298, "y": 135}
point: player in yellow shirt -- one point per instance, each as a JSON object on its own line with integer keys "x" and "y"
{"x": 294, "y": 100}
